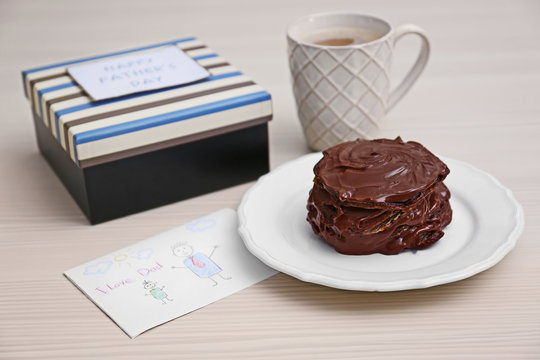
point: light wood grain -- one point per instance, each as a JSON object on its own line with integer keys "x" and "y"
{"x": 478, "y": 101}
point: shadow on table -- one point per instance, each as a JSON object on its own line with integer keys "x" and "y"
{"x": 345, "y": 301}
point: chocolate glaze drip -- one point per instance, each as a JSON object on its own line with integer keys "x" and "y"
{"x": 379, "y": 196}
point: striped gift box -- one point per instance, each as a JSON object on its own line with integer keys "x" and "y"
{"x": 123, "y": 155}
{"x": 96, "y": 132}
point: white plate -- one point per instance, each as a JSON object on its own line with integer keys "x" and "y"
{"x": 487, "y": 220}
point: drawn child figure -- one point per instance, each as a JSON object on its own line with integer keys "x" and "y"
{"x": 155, "y": 291}
{"x": 200, "y": 264}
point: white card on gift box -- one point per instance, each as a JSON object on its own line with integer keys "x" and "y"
{"x": 171, "y": 274}
{"x": 135, "y": 73}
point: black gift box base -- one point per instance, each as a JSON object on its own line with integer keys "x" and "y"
{"x": 127, "y": 186}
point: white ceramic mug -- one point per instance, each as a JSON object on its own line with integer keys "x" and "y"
{"x": 343, "y": 92}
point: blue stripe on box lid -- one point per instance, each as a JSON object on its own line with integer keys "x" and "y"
{"x": 89, "y": 105}
{"x": 49, "y": 89}
{"x": 207, "y": 56}
{"x": 77, "y": 61}
{"x": 162, "y": 119}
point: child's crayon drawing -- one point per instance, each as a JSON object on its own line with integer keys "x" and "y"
{"x": 98, "y": 268}
{"x": 200, "y": 264}
{"x": 156, "y": 292}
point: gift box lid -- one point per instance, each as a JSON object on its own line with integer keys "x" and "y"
{"x": 94, "y": 132}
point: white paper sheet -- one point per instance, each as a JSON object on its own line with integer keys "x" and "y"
{"x": 170, "y": 274}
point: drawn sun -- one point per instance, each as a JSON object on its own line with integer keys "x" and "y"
{"x": 121, "y": 259}
{"x": 128, "y": 256}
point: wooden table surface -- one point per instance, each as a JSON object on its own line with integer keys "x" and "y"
{"x": 478, "y": 100}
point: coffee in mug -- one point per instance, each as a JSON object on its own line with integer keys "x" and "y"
{"x": 340, "y": 36}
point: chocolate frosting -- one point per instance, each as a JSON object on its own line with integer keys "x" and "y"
{"x": 379, "y": 196}
{"x": 379, "y": 172}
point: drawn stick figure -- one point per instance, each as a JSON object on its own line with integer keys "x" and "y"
{"x": 156, "y": 292}
{"x": 200, "y": 264}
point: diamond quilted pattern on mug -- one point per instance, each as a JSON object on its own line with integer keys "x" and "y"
{"x": 381, "y": 82}
{"x": 388, "y": 63}
{"x": 309, "y": 132}
{"x": 369, "y": 101}
{"x": 364, "y": 124}
{"x": 314, "y": 102}
{"x": 305, "y": 114}
{"x": 377, "y": 112}
{"x": 341, "y": 76}
{"x": 355, "y": 134}
{"x": 356, "y": 61}
{"x": 354, "y": 117}
{"x": 358, "y": 133}
{"x": 317, "y": 127}
{"x": 371, "y": 71}
{"x": 327, "y": 117}
{"x": 318, "y": 144}
{"x": 341, "y": 130}
{"x": 355, "y": 89}
{"x": 312, "y": 52}
{"x": 312, "y": 74}
{"x": 301, "y": 88}
{"x": 299, "y": 57}
{"x": 341, "y": 54}
{"x": 383, "y": 53}
{"x": 325, "y": 89}
{"x": 340, "y": 105}
{"x": 324, "y": 62}
{"x": 329, "y": 139}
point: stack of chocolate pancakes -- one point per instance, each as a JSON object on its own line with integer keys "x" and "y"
{"x": 379, "y": 196}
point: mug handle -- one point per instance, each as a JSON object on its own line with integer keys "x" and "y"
{"x": 419, "y": 65}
